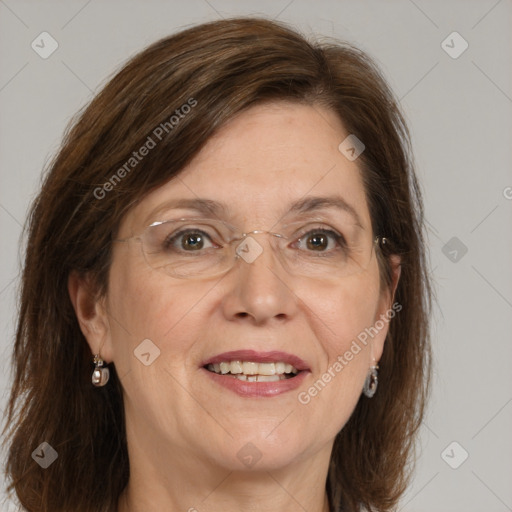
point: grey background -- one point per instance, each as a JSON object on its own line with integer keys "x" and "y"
{"x": 459, "y": 111}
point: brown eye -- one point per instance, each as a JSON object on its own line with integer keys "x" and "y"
{"x": 192, "y": 241}
{"x": 318, "y": 241}
{"x": 321, "y": 241}
{"x": 188, "y": 240}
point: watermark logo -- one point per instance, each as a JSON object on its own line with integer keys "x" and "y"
{"x": 454, "y": 45}
{"x": 454, "y": 249}
{"x": 44, "y": 45}
{"x": 249, "y": 455}
{"x": 249, "y": 249}
{"x": 45, "y": 455}
{"x": 147, "y": 352}
{"x": 351, "y": 147}
{"x": 454, "y": 455}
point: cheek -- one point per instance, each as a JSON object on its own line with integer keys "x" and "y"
{"x": 148, "y": 305}
{"x": 340, "y": 316}
{"x": 344, "y": 311}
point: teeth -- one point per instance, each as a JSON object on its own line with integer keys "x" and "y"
{"x": 269, "y": 378}
{"x": 250, "y": 368}
{"x": 236, "y": 367}
{"x": 267, "y": 369}
{"x": 254, "y": 372}
{"x": 260, "y": 378}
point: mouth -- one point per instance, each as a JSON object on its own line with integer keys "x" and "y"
{"x": 251, "y": 371}
{"x": 257, "y": 374}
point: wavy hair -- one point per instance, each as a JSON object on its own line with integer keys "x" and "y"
{"x": 225, "y": 66}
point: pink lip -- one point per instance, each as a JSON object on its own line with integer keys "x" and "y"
{"x": 258, "y": 389}
{"x": 258, "y": 357}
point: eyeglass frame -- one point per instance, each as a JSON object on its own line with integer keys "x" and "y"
{"x": 378, "y": 241}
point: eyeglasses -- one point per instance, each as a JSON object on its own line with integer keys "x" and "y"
{"x": 202, "y": 248}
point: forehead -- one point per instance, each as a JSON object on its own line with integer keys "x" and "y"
{"x": 264, "y": 160}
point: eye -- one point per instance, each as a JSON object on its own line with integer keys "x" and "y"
{"x": 189, "y": 240}
{"x": 321, "y": 240}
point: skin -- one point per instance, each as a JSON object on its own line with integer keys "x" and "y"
{"x": 184, "y": 432}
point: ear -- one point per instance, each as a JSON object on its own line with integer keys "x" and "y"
{"x": 386, "y": 309}
{"x": 91, "y": 312}
{"x": 396, "y": 270}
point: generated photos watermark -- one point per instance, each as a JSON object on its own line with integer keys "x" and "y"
{"x": 343, "y": 360}
{"x": 157, "y": 135}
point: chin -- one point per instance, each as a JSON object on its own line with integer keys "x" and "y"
{"x": 256, "y": 450}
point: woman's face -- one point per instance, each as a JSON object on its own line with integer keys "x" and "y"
{"x": 260, "y": 164}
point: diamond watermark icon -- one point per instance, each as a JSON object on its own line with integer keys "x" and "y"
{"x": 454, "y": 45}
{"x": 147, "y": 352}
{"x": 454, "y": 249}
{"x": 249, "y": 455}
{"x": 454, "y": 455}
{"x": 249, "y": 249}
{"x": 45, "y": 455}
{"x": 351, "y": 147}
{"x": 44, "y": 45}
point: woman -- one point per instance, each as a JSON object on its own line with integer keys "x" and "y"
{"x": 225, "y": 300}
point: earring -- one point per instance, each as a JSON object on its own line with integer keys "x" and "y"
{"x": 371, "y": 382}
{"x": 100, "y": 375}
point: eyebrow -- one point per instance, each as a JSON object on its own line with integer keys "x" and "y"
{"x": 314, "y": 203}
{"x": 303, "y": 205}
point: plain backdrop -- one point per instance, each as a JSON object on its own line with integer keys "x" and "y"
{"x": 458, "y": 102}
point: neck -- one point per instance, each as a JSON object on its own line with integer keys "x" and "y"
{"x": 266, "y": 495}
{"x": 176, "y": 481}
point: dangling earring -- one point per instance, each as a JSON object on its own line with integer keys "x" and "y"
{"x": 100, "y": 375}
{"x": 371, "y": 382}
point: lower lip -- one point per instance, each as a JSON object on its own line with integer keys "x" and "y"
{"x": 257, "y": 389}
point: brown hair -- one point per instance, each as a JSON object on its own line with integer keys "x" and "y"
{"x": 224, "y": 66}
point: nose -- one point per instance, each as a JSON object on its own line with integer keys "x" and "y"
{"x": 260, "y": 290}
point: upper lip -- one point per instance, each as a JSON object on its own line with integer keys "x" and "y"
{"x": 258, "y": 357}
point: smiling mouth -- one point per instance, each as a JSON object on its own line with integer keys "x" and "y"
{"x": 250, "y": 371}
